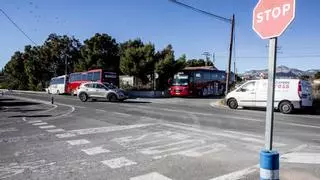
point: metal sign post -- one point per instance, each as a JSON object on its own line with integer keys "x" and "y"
{"x": 270, "y": 101}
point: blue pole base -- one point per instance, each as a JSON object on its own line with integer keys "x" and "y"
{"x": 269, "y": 165}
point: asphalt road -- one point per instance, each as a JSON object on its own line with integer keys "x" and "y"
{"x": 146, "y": 139}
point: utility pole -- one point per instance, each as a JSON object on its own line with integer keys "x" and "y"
{"x": 230, "y": 54}
{"x": 227, "y": 20}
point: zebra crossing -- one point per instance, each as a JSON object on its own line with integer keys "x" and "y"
{"x": 154, "y": 141}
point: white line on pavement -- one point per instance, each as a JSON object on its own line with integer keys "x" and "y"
{"x": 24, "y": 119}
{"x": 95, "y": 150}
{"x": 65, "y": 135}
{"x": 107, "y": 129}
{"x": 47, "y": 127}
{"x": 55, "y": 130}
{"x": 34, "y": 121}
{"x": 237, "y": 174}
{"x": 78, "y": 142}
{"x": 122, "y": 114}
{"x": 40, "y": 124}
{"x": 150, "y": 176}
{"x": 118, "y": 162}
{"x": 301, "y": 157}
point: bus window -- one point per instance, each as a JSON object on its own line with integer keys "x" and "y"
{"x": 96, "y": 76}
{"x": 90, "y": 74}
{"x": 84, "y": 77}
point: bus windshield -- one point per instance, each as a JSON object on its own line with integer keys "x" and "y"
{"x": 180, "y": 82}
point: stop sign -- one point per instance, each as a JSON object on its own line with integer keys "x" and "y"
{"x": 272, "y": 17}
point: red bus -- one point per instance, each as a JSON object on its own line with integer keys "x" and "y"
{"x": 99, "y": 75}
{"x": 198, "y": 81}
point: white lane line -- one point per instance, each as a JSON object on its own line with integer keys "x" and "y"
{"x": 118, "y": 162}
{"x": 121, "y": 114}
{"x": 301, "y": 157}
{"x": 107, "y": 129}
{"x": 151, "y": 176}
{"x": 65, "y": 135}
{"x": 243, "y": 134}
{"x": 95, "y": 150}
{"x": 40, "y": 124}
{"x": 300, "y": 125}
{"x": 238, "y": 174}
{"x": 55, "y": 130}
{"x": 34, "y": 121}
{"x": 47, "y": 127}
{"x": 78, "y": 142}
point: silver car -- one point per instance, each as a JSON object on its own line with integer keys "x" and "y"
{"x": 96, "y": 90}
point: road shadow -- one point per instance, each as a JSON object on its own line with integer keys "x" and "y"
{"x": 31, "y": 116}
{"x": 6, "y": 99}
{"x": 17, "y": 103}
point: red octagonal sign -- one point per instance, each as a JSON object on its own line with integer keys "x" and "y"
{"x": 272, "y": 17}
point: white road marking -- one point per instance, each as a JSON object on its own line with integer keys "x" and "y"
{"x": 80, "y": 107}
{"x": 300, "y": 125}
{"x": 151, "y": 176}
{"x": 196, "y": 151}
{"x": 95, "y": 150}
{"x": 3, "y": 130}
{"x": 78, "y": 142}
{"x": 24, "y": 119}
{"x": 237, "y": 174}
{"x": 301, "y": 157}
{"x": 47, "y": 127}
{"x": 65, "y": 135}
{"x": 249, "y": 139}
{"x": 100, "y": 110}
{"x": 243, "y": 134}
{"x": 55, "y": 130}
{"x": 176, "y": 146}
{"x": 107, "y": 129}
{"x": 122, "y": 114}
{"x": 40, "y": 124}
{"x": 118, "y": 162}
{"x": 34, "y": 121}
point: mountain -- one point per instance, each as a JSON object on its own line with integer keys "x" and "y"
{"x": 282, "y": 71}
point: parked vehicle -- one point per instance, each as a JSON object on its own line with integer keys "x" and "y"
{"x": 198, "y": 81}
{"x": 290, "y": 94}
{"x": 95, "y": 75}
{"x": 58, "y": 85}
{"x": 97, "y": 90}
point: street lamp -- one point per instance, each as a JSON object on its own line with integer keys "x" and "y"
{"x": 227, "y": 20}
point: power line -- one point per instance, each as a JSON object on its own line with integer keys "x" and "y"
{"x": 16, "y": 25}
{"x": 261, "y": 57}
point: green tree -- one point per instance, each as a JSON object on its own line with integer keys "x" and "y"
{"x": 15, "y": 76}
{"x": 167, "y": 66}
{"x": 137, "y": 59}
{"x": 100, "y": 51}
{"x": 57, "y": 50}
{"x": 198, "y": 62}
{"x": 317, "y": 75}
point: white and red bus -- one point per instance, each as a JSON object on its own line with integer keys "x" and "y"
{"x": 58, "y": 85}
{"x": 98, "y": 75}
{"x": 198, "y": 81}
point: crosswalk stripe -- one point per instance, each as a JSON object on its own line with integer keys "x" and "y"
{"x": 34, "y": 121}
{"x": 40, "y": 124}
{"x": 47, "y": 127}
{"x": 95, "y": 150}
{"x": 78, "y": 142}
{"x": 118, "y": 162}
{"x": 55, "y": 130}
{"x": 151, "y": 176}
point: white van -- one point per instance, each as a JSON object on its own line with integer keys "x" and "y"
{"x": 57, "y": 85}
{"x": 290, "y": 94}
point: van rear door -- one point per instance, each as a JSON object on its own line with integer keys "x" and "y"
{"x": 305, "y": 93}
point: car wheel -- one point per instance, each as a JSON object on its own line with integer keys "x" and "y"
{"x": 83, "y": 97}
{"x": 112, "y": 98}
{"x": 232, "y": 103}
{"x": 286, "y": 107}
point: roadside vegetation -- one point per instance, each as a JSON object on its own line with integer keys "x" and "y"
{"x": 32, "y": 68}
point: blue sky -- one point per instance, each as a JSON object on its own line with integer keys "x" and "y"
{"x": 162, "y": 23}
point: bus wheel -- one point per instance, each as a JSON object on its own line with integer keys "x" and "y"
{"x": 232, "y": 103}
{"x": 285, "y": 107}
{"x": 83, "y": 97}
